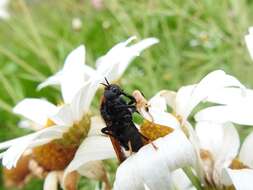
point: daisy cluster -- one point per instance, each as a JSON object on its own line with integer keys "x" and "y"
{"x": 199, "y": 153}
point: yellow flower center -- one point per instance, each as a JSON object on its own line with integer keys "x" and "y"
{"x": 49, "y": 123}
{"x": 53, "y": 155}
{"x": 153, "y": 131}
{"x": 57, "y": 154}
{"x": 16, "y": 176}
{"x": 237, "y": 165}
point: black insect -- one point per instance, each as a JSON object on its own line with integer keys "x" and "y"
{"x": 117, "y": 114}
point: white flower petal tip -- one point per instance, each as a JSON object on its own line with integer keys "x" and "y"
{"x": 181, "y": 181}
{"x": 51, "y": 181}
{"x": 170, "y": 98}
{"x": 249, "y": 41}
{"x": 239, "y": 114}
{"x": 113, "y": 64}
{"x": 18, "y": 146}
{"x": 75, "y": 60}
{"x": 245, "y": 153}
{"x": 53, "y": 80}
{"x": 75, "y": 56}
{"x": 36, "y": 110}
{"x": 143, "y": 44}
{"x": 152, "y": 167}
{"x": 190, "y": 96}
{"x": 129, "y": 40}
{"x": 241, "y": 179}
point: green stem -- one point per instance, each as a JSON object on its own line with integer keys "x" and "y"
{"x": 195, "y": 181}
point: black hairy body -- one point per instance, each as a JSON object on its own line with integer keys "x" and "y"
{"x": 117, "y": 114}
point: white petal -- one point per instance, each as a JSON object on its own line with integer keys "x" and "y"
{"x": 181, "y": 181}
{"x": 135, "y": 50}
{"x": 93, "y": 170}
{"x": 53, "y": 80}
{"x": 152, "y": 167}
{"x": 183, "y": 98}
{"x": 92, "y": 148}
{"x": 205, "y": 87}
{"x": 82, "y": 100}
{"x": 170, "y": 98}
{"x": 64, "y": 116}
{"x": 242, "y": 179}
{"x": 75, "y": 74}
{"x": 116, "y": 49}
{"x": 7, "y": 144}
{"x": 222, "y": 140}
{"x": 231, "y": 96}
{"x": 28, "y": 124}
{"x": 18, "y": 146}
{"x": 37, "y": 110}
{"x": 161, "y": 118}
{"x": 75, "y": 59}
{"x": 249, "y": 43}
{"x": 240, "y": 114}
{"x": 114, "y": 63}
{"x": 158, "y": 102}
{"x": 193, "y": 138}
{"x": 97, "y": 123}
{"x": 245, "y": 154}
{"x": 51, "y": 181}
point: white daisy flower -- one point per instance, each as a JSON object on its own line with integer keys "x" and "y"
{"x": 185, "y": 100}
{"x": 71, "y": 122}
{"x": 151, "y": 168}
{"x": 221, "y": 163}
{"x": 188, "y": 97}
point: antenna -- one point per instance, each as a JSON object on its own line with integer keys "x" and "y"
{"x": 107, "y": 81}
{"x": 104, "y": 84}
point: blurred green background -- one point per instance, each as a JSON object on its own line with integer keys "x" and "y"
{"x": 196, "y": 37}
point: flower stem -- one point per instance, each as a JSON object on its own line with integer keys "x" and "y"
{"x": 195, "y": 181}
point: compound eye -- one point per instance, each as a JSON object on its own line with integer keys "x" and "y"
{"x": 114, "y": 90}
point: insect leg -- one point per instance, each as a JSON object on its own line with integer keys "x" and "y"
{"x": 132, "y": 99}
{"x": 150, "y": 141}
{"x": 107, "y": 131}
{"x": 125, "y": 106}
{"x": 130, "y": 147}
{"x": 153, "y": 144}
